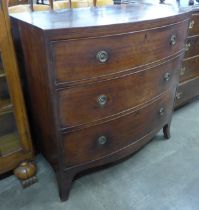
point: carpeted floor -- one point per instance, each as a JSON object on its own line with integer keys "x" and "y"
{"x": 164, "y": 175}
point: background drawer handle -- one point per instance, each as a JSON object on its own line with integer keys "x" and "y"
{"x": 102, "y": 140}
{"x": 191, "y": 24}
{"x": 182, "y": 71}
{"x": 167, "y": 76}
{"x": 161, "y": 111}
{"x": 178, "y": 95}
{"x": 187, "y": 46}
{"x": 173, "y": 39}
{"x": 102, "y": 100}
{"x": 102, "y": 56}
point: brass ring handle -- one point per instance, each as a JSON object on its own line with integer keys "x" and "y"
{"x": 187, "y": 46}
{"x": 182, "y": 71}
{"x": 178, "y": 95}
{"x": 167, "y": 76}
{"x": 102, "y": 140}
{"x": 102, "y": 100}
{"x": 191, "y": 24}
{"x": 161, "y": 111}
{"x": 173, "y": 39}
{"x": 102, "y": 56}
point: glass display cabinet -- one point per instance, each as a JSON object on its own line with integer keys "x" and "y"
{"x": 9, "y": 139}
{"x": 16, "y": 151}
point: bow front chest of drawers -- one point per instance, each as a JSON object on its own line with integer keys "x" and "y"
{"x": 101, "y": 82}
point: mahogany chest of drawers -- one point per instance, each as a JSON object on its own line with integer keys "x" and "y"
{"x": 188, "y": 88}
{"x": 101, "y": 82}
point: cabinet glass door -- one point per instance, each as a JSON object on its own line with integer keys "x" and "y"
{"x": 9, "y": 140}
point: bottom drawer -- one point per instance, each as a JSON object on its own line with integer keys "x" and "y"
{"x": 96, "y": 141}
{"x": 187, "y": 91}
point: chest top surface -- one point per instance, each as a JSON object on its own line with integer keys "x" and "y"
{"x": 103, "y": 16}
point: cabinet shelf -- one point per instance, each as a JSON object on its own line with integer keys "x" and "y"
{"x": 9, "y": 144}
{"x": 5, "y": 102}
{"x": 9, "y": 140}
{"x": 5, "y": 106}
{"x": 2, "y": 74}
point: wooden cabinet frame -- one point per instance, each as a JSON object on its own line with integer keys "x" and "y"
{"x": 25, "y": 153}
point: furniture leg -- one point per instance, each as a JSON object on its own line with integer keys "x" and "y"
{"x": 65, "y": 180}
{"x": 166, "y": 131}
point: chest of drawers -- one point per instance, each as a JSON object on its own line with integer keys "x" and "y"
{"x": 101, "y": 82}
{"x": 188, "y": 88}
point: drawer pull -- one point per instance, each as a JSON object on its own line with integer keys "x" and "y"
{"x": 161, "y": 111}
{"x": 182, "y": 71}
{"x": 187, "y": 46}
{"x": 167, "y": 76}
{"x": 178, "y": 95}
{"x": 102, "y": 100}
{"x": 173, "y": 40}
{"x": 191, "y": 24}
{"x": 102, "y": 56}
{"x": 102, "y": 140}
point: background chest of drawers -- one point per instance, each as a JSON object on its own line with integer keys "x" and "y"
{"x": 188, "y": 88}
{"x": 101, "y": 82}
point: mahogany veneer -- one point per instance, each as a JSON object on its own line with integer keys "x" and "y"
{"x": 101, "y": 82}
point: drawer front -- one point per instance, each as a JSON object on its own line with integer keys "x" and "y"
{"x": 82, "y": 59}
{"x": 194, "y": 25}
{"x": 192, "y": 47}
{"x": 92, "y": 102}
{"x": 187, "y": 91}
{"x": 97, "y": 141}
{"x": 189, "y": 69}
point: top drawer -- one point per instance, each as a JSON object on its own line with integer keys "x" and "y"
{"x": 194, "y": 25}
{"x": 82, "y": 59}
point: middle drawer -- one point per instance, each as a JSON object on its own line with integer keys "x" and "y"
{"x": 91, "y": 102}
